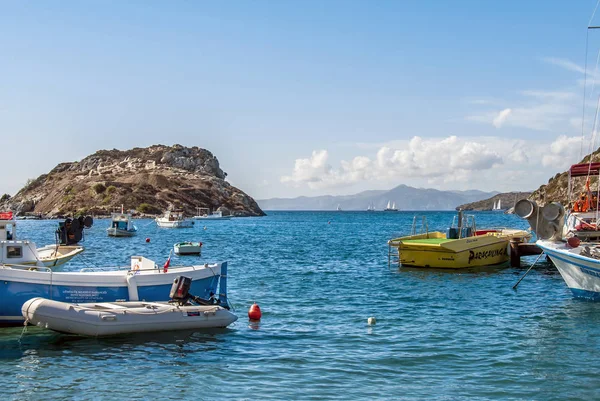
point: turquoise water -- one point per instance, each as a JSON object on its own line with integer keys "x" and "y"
{"x": 317, "y": 277}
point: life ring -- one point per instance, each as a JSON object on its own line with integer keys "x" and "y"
{"x": 136, "y": 267}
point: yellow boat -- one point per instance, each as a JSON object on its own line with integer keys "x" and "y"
{"x": 461, "y": 247}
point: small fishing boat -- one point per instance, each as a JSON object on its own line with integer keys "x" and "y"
{"x": 25, "y": 252}
{"x": 142, "y": 280}
{"x": 182, "y": 312}
{"x": 188, "y": 248}
{"x": 121, "y": 225}
{"x": 174, "y": 219}
{"x": 462, "y": 246}
{"x": 205, "y": 214}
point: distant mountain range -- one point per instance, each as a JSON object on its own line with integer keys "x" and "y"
{"x": 405, "y": 197}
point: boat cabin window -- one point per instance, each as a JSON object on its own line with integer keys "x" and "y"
{"x": 14, "y": 252}
{"x": 121, "y": 225}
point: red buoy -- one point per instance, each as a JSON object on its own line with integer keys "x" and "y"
{"x": 254, "y": 312}
{"x": 574, "y": 242}
{"x": 147, "y": 239}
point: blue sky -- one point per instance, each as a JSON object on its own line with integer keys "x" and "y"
{"x": 304, "y": 98}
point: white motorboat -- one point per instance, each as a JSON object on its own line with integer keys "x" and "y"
{"x": 174, "y": 219}
{"x": 205, "y": 214}
{"x": 182, "y": 312}
{"x": 143, "y": 280}
{"x": 121, "y": 225}
{"x": 24, "y": 252}
{"x": 188, "y": 248}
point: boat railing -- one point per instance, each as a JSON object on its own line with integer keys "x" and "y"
{"x": 424, "y": 227}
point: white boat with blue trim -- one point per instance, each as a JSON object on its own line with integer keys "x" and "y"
{"x": 143, "y": 280}
{"x": 121, "y": 225}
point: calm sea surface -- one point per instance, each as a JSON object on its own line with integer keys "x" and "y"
{"x": 317, "y": 277}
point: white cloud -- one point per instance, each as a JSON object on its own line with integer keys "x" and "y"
{"x": 501, "y": 118}
{"x": 311, "y": 170}
{"x": 444, "y": 159}
{"x": 564, "y": 63}
{"x": 536, "y": 110}
{"x": 563, "y": 152}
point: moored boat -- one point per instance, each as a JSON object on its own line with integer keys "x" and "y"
{"x": 25, "y": 252}
{"x": 462, "y": 246}
{"x": 112, "y": 318}
{"x": 142, "y": 280}
{"x": 188, "y": 248}
{"x": 174, "y": 219}
{"x": 121, "y": 225}
{"x": 206, "y": 214}
{"x": 183, "y": 312}
{"x": 570, "y": 237}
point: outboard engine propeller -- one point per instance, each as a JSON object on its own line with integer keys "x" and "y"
{"x": 546, "y": 222}
{"x": 70, "y": 232}
{"x": 180, "y": 293}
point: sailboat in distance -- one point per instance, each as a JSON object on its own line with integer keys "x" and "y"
{"x": 371, "y": 207}
{"x": 391, "y": 207}
{"x": 497, "y": 206}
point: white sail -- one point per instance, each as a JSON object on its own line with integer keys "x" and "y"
{"x": 394, "y": 205}
{"x": 499, "y": 204}
{"x": 389, "y": 205}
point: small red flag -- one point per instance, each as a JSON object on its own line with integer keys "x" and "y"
{"x": 166, "y": 265}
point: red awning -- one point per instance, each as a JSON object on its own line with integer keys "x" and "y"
{"x": 6, "y": 215}
{"x": 578, "y": 170}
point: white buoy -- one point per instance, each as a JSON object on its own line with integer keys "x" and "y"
{"x": 371, "y": 321}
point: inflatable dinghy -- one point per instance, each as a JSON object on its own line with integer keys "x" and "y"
{"x": 184, "y": 312}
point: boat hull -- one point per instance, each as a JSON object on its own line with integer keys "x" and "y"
{"x": 19, "y": 285}
{"x": 105, "y": 319}
{"x": 189, "y": 248}
{"x": 580, "y": 273}
{"x": 434, "y": 250}
{"x": 116, "y": 232}
{"x": 175, "y": 224}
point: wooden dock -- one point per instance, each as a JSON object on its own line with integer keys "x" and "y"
{"x": 519, "y": 249}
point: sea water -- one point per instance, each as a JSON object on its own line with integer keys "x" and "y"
{"x": 318, "y": 277}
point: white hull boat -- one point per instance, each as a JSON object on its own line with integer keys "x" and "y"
{"x": 174, "y": 219}
{"x": 111, "y": 318}
{"x": 24, "y": 252}
{"x": 121, "y": 225}
{"x": 142, "y": 280}
{"x": 218, "y": 215}
{"x": 578, "y": 266}
{"x": 188, "y": 248}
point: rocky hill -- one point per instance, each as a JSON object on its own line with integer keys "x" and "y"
{"x": 507, "y": 201}
{"x": 557, "y": 188}
{"x": 149, "y": 180}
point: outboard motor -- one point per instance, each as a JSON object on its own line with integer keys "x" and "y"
{"x": 546, "y": 222}
{"x": 180, "y": 293}
{"x": 70, "y": 232}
